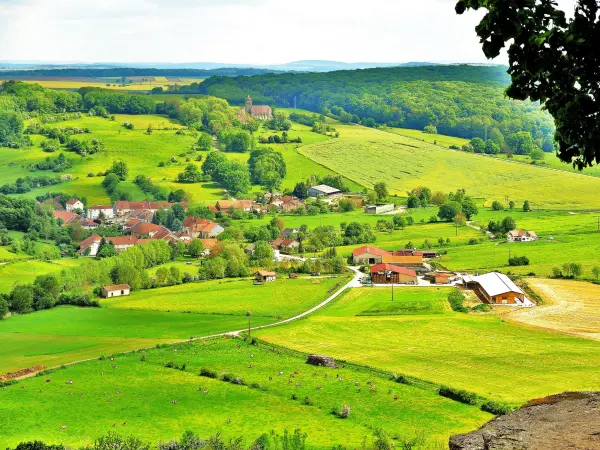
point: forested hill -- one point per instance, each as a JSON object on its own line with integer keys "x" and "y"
{"x": 132, "y": 72}
{"x": 460, "y": 100}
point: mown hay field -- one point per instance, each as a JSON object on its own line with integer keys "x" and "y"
{"x": 135, "y": 394}
{"x": 138, "y": 84}
{"x": 368, "y": 156}
{"x": 477, "y": 352}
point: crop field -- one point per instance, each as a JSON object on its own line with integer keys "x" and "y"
{"x": 404, "y": 163}
{"x": 66, "y": 334}
{"x": 439, "y": 139}
{"x": 571, "y": 307}
{"x": 25, "y": 271}
{"x": 138, "y": 84}
{"x": 280, "y": 299}
{"x": 105, "y": 395}
{"x": 478, "y": 352}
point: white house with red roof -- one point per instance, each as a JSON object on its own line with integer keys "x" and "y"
{"x": 73, "y": 204}
{"x": 202, "y": 228}
{"x": 97, "y": 211}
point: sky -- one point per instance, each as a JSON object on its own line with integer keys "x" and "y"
{"x": 238, "y": 31}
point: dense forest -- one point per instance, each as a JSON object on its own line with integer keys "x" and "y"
{"x": 459, "y": 100}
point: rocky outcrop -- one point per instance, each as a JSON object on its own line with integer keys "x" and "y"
{"x": 565, "y": 421}
{"x": 323, "y": 361}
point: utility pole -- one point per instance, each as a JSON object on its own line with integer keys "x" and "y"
{"x": 392, "y": 291}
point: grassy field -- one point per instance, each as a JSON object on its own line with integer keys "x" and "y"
{"x": 571, "y": 307}
{"x": 404, "y": 163}
{"x": 281, "y": 299}
{"x": 137, "y": 397}
{"x": 137, "y": 84}
{"x": 25, "y": 271}
{"x": 478, "y": 352}
{"x": 143, "y": 153}
{"x": 67, "y": 334}
{"x": 437, "y": 139}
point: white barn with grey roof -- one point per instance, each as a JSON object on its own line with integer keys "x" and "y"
{"x": 322, "y": 190}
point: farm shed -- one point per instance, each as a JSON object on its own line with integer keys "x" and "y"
{"x": 497, "y": 289}
{"x": 389, "y": 274}
{"x": 265, "y": 276}
{"x": 379, "y": 209}
{"x": 322, "y": 190}
{"x": 116, "y": 290}
{"x": 441, "y": 278}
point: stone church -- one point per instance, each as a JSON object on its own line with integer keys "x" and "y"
{"x": 260, "y": 112}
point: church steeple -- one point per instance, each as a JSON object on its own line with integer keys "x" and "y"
{"x": 248, "y": 104}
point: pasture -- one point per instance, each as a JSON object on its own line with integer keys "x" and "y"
{"x": 276, "y": 300}
{"x": 404, "y": 163}
{"x": 24, "y": 271}
{"x": 67, "y": 334}
{"x": 135, "y": 394}
{"x": 481, "y": 353}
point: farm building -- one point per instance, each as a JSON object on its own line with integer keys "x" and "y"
{"x": 115, "y": 290}
{"x": 441, "y": 278}
{"x": 226, "y": 206}
{"x": 74, "y": 204}
{"x": 497, "y": 289}
{"x": 389, "y": 274}
{"x": 264, "y": 276}
{"x": 521, "y": 236}
{"x": 285, "y": 244}
{"x": 123, "y": 207}
{"x": 260, "y": 112}
{"x": 96, "y": 211}
{"x": 146, "y": 229}
{"x": 288, "y": 231}
{"x": 70, "y": 218}
{"x": 414, "y": 252}
{"x": 379, "y": 209}
{"x": 202, "y": 228}
{"x": 322, "y": 190}
{"x": 373, "y": 255}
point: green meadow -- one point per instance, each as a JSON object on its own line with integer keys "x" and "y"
{"x": 477, "y": 352}
{"x": 24, "y": 271}
{"x": 67, "y": 334}
{"x": 279, "y": 300}
{"x": 368, "y": 156}
{"x": 134, "y": 394}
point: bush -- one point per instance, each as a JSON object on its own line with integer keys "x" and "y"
{"x": 460, "y": 395}
{"x": 308, "y": 401}
{"x": 518, "y": 261}
{"x": 496, "y": 408}
{"x": 401, "y": 379}
{"x": 473, "y": 241}
{"x": 227, "y": 377}
{"x": 482, "y": 308}
{"x": 208, "y": 373}
{"x": 343, "y": 412}
{"x": 456, "y": 300}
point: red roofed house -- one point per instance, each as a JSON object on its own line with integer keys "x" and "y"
{"x": 521, "y": 236}
{"x": 146, "y": 229}
{"x": 260, "y": 112}
{"x": 124, "y": 207}
{"x": 225, "y": 206}
{"x": 373, "y": 255}
{"x": 66, "y": 217}
{"x": 74, "y": 204}
{"x": 285, "y": 244}
{"x": 389, "y": 274}
{"x": 202, "y": 228}
{"x": 89, "y": 246}
{"x": 123, "y": 242}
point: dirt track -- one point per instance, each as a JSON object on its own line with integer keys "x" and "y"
{"x": 572, "y": 307}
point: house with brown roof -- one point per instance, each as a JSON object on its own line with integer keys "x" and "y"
{"x": 264, "y": 276}
{"x": 116, "y": 290}
{"x": 65, "y": 217}
{"x": 390, "y": 274}
{"x": 226, "y": 206}
{"x": 146, "y": 229}
{"x": 372, "y": 255}
{"x": 73, "y": 204}
{"x": 285, "y": 244}
{"x": 260, "y": 112}
{"x": 123, "y": 207}
{"x": 123, "y": 242}
{"x": 202, "y": 228}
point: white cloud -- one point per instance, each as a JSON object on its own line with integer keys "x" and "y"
{"x": 237, "y": 31}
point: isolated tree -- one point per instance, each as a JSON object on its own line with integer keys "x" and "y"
{"x": 552, "y": 60}
{"x": 478, "y": 145}
{"x": 449, "y": 210}
{"x": 511, "y": 204}
{"x": 497, "y": 206}
{"x": 596, "y": 272}
{"x": 381, "y": 190}
{"x": 120, "y": 169}
{"x": 508, "y": 224}
{"x": 191, "y": 174}
{"x": 526, "y": 206}
{"x": 469, "y": 208}
{"x": 413, "y": 201}
{"x": 460, "y": 219}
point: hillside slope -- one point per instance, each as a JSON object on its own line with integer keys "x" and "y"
{"x": 367, "y": 156}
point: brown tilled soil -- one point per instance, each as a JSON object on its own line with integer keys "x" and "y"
{"x": 21, "y": 373}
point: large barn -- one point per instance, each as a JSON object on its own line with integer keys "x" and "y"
{"x": 497, "y": 289}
